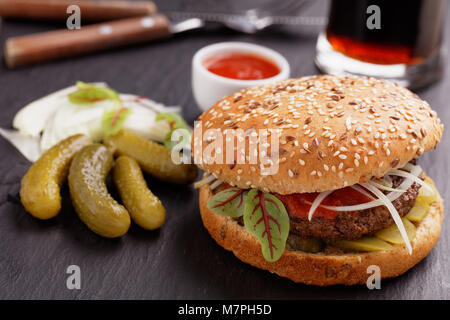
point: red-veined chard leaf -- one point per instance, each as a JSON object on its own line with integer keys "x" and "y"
{"x": 229, "y": 202}
{"x": 89, "y": 93}
{"x": 113, "y": 120}
{"x": 267, "y": 219}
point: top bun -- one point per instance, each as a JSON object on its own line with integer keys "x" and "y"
{"x": 335, "y": 132}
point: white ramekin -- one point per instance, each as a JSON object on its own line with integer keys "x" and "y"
{"x": 208, "y": 87}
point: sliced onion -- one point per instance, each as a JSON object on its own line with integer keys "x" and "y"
{"x": 410, "y": 167}
{"x": 372, "y": 204}
{"x": 215, "y": 184}
{"x": 362, "y": 190}
{"x": 384, "y": 181}
{"x": 392, "y": 196}
{"x": 383, "y": 187}
{"x": 317, "y": 202}
{"x": 407, "y": 183}
{"x": 356, "y": 207}
{"x": 388, "y": 181}
{"x": 204, "y": 181}
{"x": 394, "y": 213}
{"x": 407, "y": 175}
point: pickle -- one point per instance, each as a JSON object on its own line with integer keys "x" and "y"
{"x": 40, "y": 187}
{"x": 145, "y": 208}
{"x": 90, "y": 197}
{"x": 363, "y": 244}
{"x": 418, "y": 212}
{"x": 392, "y": 235}
{"x": 152, "y": 157}
{"x": 426, "y": 196}
{"x": 311, "y": 245}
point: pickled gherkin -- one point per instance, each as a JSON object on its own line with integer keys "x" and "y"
{"x": 40, "y": 187}
{"x": 152, "y": 157}
{"x": 418, "y": 212}
{"x": 145, "y": 208}
{"x": 425, "y": 195}
{"x": 311, "y": 245}
{"x": 363, "y": 244}
{"x": 392, "y": 235}
{"x": 90, "y": 197}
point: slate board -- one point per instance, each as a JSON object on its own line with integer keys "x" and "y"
{"x": 180, "y": 261}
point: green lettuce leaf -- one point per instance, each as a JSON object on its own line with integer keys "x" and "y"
{"x": 267, "y": 219}
{"x": 229, "y": 202}
{"x": 113, "y": 120}
{"x": 175, "y": 122}
{"x": 88, "y": 93}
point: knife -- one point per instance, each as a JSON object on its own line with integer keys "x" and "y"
{"x": 52, "y": 45}
{"x": 98, "y": 10}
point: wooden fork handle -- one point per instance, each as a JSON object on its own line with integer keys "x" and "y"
{"x": 91, "y": 10}
{"x": 41, "y": 47}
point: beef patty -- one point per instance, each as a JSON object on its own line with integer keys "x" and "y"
{"x": 352, "y": 225}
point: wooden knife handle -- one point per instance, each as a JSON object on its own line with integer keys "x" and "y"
{"x": 91, "y": 10}
{"x": 41, "y": 47}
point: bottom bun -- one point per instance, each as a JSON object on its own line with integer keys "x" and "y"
{"x": 322, "y": 269}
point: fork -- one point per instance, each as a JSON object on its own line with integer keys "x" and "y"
{"x": 257, "y": 19}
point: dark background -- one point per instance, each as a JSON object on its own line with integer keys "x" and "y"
{"x": 180, "y": 261}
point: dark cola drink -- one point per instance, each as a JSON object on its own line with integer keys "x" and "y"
{"x": 382, "y": 34}
{"x": 410, "y": 30}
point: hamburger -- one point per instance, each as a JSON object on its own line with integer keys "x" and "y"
{"x": 345, "y": 190}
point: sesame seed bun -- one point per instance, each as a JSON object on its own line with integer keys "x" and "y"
{"x": 335, "y": 132}
{"x": 324, "y": 269}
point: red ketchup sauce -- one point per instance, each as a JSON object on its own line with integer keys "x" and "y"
{"x": 241, "y": 66}
{"x": 298, "y": 204}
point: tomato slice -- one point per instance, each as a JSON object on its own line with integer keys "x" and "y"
{"x": 298, "y": 204}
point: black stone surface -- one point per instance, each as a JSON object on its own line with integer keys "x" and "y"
{"x": 180, "y": 261}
